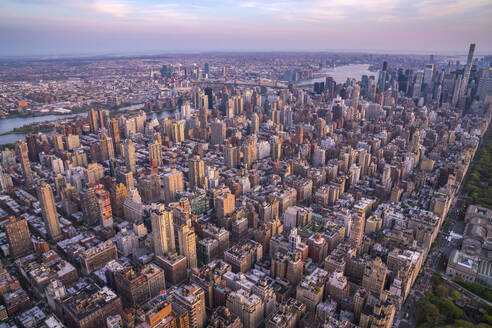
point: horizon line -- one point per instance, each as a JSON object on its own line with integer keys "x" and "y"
{"x": 153, "y": 53}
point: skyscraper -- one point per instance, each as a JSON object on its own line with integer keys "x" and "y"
{"x": 105, "y": 213}
{"x": 155, "y": 153}
{"x": 89, "y": 205}
{"x": 250, "y": 152}
{"x": 129, "y": 154}
{"x": 374, "y": 276}
{"x": 173, "y": 181}
{"x": 255, "y": 123}
{"x": 187, "y": 243}
{"x": 203, "y": 116}
{"x": 357, "y": 230}
{"x": 32, "y": 146}
{"x": 196, "y": 173}
{"x": 5, "y": 181}
{"x": 162, "y": 230}
{"x": 225, "y": 205}
{"x": 132, "y": 206}
{"x": 428, "y": 74}
{"x": 417, "y": 86}
{"x": 115, "y": 134}
{"x": 150, "y": 188}
{"x": 355, "y": 96}
{"x": 457, "y": 88}
{"x": 22, "y": 152}
{"x": 57, "y": 140}
{"x": 299, "y": 136}
{"x": 218, "y": 132}
{"x": 230, "y": 156}
{"x": 127, "y": 179}
{"x": 466, "y": 72}
{"x": 178, "y": 131}
{"x": 50, "y": 216}
{"x": 383, "y": 75}
{"x": 107, "y": 147}
{"x": 100, "y": 117}
{"x": 118, "y": 196}
{"x": 277, "y": 149}
{"x": 93, "y": 120}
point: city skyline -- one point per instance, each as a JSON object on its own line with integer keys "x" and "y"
{"x": 53, "y": 27}
{"x": 245, "y": 164}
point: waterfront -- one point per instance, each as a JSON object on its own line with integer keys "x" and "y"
{"x": 8, "y": 124}
{"x": 341, "y": 73}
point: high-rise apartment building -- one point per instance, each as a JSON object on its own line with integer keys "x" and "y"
{"x": 250, "y": 152}
{"x": 277, "y": 150}
{"x": 417, "y": 86}
{"x": 338, "y": 287}
{"x": 118, "y": 196}
{"x": 357, "y": 229}
{"x": 178, "y": 131}
{"x": 5, "y": 181}
{"x": 243, "y": 255}
{"x": 32, "y": 147}
{"x": 105, "y": 213}
{"x": 218, "y": 132}
{"x": 255, "y": 123}
{"x": 192, "y": 298}
{"x": 155, "y": 153}
{"x": 311, "y": 290}
{"x": 90, "y": 206}
{"x": 196, "y": 173}
{"x": 22, "y": 152}
{"x": 360, "y": 298}
{"x": 375, "y": 276}
{"x": 57, "y": 140}
{"x": 162, "y": 230}
{"x": 127, "y": 179}
{"x": 225, "y": 205}
{"x": 175, "y": 267}
{"x": 173, "y": 182}
{"x": 187, "y": 243}
{"x": 231, "y": 156}
{"x": 132, "y": 206}
{"x": 137, "y": 286}
{"x": 129, "y": 154}
{"x": 50, "y": 216}
{"x": 150, "y": 188}
{"x": 248, "y": 307}
{"x": 19, "y": 237}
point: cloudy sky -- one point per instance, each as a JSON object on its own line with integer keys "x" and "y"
{"x": 42, "y": 27}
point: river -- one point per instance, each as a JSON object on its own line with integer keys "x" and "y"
{"x": 8, "y": 124}
{"x": 341, "y": 73}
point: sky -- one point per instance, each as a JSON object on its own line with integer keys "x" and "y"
{"x": 89, "y": 27}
